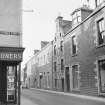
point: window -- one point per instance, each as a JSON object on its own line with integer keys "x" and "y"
{"x": 55, "y": 66}
{"x": 60, "y": 34}
{"x": 102, "y": 75}
{"x": 55, "y": 50}
{"x": 55, "y": 38}
{"x": 75, "y": 77}
{"x": 101, "y": 31}
{"x": 74, "y": 45}
{"x": 76, "y": 17}
{"x": 98, "y": 2}
{"x": 62, "y": 65}
{"x": 61, "y": 45}
{"x": 55, "y": 83}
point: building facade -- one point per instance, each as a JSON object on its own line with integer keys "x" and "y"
{"x": 77, "y": 59}
{"x": 62, "y": 26}
{"x": 84, "y": 54}
{"x": 39, "y": 68}
{"x": 11, "y": 51}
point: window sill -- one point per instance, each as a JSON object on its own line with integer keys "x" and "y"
{"x": 73, "y": 55}
{"x": 76, "y": 90}
{"x": 102, "y": 45}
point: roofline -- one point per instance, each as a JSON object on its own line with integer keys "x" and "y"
{"x": 39, "y": 52}
{"x": 94, "y": 12}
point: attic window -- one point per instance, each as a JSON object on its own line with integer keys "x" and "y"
{"x": 76, "y": 17}
{"x": 98, "y": 2}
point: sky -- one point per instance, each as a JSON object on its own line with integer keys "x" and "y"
{"x": 39, "y": 25}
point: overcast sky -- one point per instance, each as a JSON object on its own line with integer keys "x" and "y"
{"x": 40, "y": 24}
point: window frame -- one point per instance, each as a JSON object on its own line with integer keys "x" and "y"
{"x": 99, "y": 33}
{"x": 74, "y": 45}
{"x": 62, "y": 65}
{"x": 55, "y": 66}
{"x": 55, "y": 50}
{"x": 75, "y": 17}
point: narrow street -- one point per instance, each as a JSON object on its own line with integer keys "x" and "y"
{"x": 37, "y": 97}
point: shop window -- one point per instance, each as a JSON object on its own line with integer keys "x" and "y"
{"x": 98, "y": 2}
{"x": 75, "y": 77}
{"x": 74, "y": 46}
{"x": 62, "y": 65}
{"x": 101, "y": 31}
{"x": 102, "y": 75}
{"x": 76, "y": 18}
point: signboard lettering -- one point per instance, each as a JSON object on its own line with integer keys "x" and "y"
{"x": 10, "y": 56}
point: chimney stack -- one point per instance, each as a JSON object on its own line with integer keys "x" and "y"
{"x": 44, "y": 43}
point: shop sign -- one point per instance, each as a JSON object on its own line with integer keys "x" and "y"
{"x": 10, "y": 56}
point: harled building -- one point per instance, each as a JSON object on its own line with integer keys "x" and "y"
{"x": 11, "y": 51}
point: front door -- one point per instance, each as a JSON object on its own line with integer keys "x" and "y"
{"x": 102, "y": 75}
{"x": 67, "y": 77}
{"x": 8, "y": 82}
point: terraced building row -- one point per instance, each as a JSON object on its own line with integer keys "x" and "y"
{"x": 75, "y": 60}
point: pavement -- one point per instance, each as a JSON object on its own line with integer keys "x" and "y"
{"x": 102, "y": 99}
{"x": 48, "y": 97}
{"x": 26, "y": 101}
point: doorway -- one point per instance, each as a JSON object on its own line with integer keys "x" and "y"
{"x": 62, "y": 84}
{"x": 67, "y": 78}
{"x": 102, "y": 76}
{"x": 8, "y": 82}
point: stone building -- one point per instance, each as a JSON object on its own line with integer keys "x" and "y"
{"x": 75, "y": 61}
{"x": 62, "y": 26}
{"x": 44, "y": 67}
{"x": 11, "y": 51}
{"x": 84, "y": 52}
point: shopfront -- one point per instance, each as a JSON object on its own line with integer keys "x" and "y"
{"x": 10, "y": 71}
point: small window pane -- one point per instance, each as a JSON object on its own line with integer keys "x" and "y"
{"x": 79, "y": 13}
{"x": 79, "y": 19}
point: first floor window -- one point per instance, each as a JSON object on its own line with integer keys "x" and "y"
{"x": 102, "y": 75}
{"x": 74, "y": 45}
{"x": 101, "y": 31}
{"x": 75, "y": 77}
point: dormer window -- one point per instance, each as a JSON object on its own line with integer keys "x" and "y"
{"x": 76, "y": 17}
{"x": 98, "y": 2}
{"x": 55, "y": 38}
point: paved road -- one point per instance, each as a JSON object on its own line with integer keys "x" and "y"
{"x": 36, "y": 97}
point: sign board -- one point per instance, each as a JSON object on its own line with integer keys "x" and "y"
{"x": 10, "y": 56}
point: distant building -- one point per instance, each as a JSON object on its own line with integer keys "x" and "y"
{"x": 62, "y": 26}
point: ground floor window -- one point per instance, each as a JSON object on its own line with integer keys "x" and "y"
{"x": 75, "y": 77}
{"x": 102, "y": 75}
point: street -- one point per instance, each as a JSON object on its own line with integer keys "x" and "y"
{"x": 37, "y": 97}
